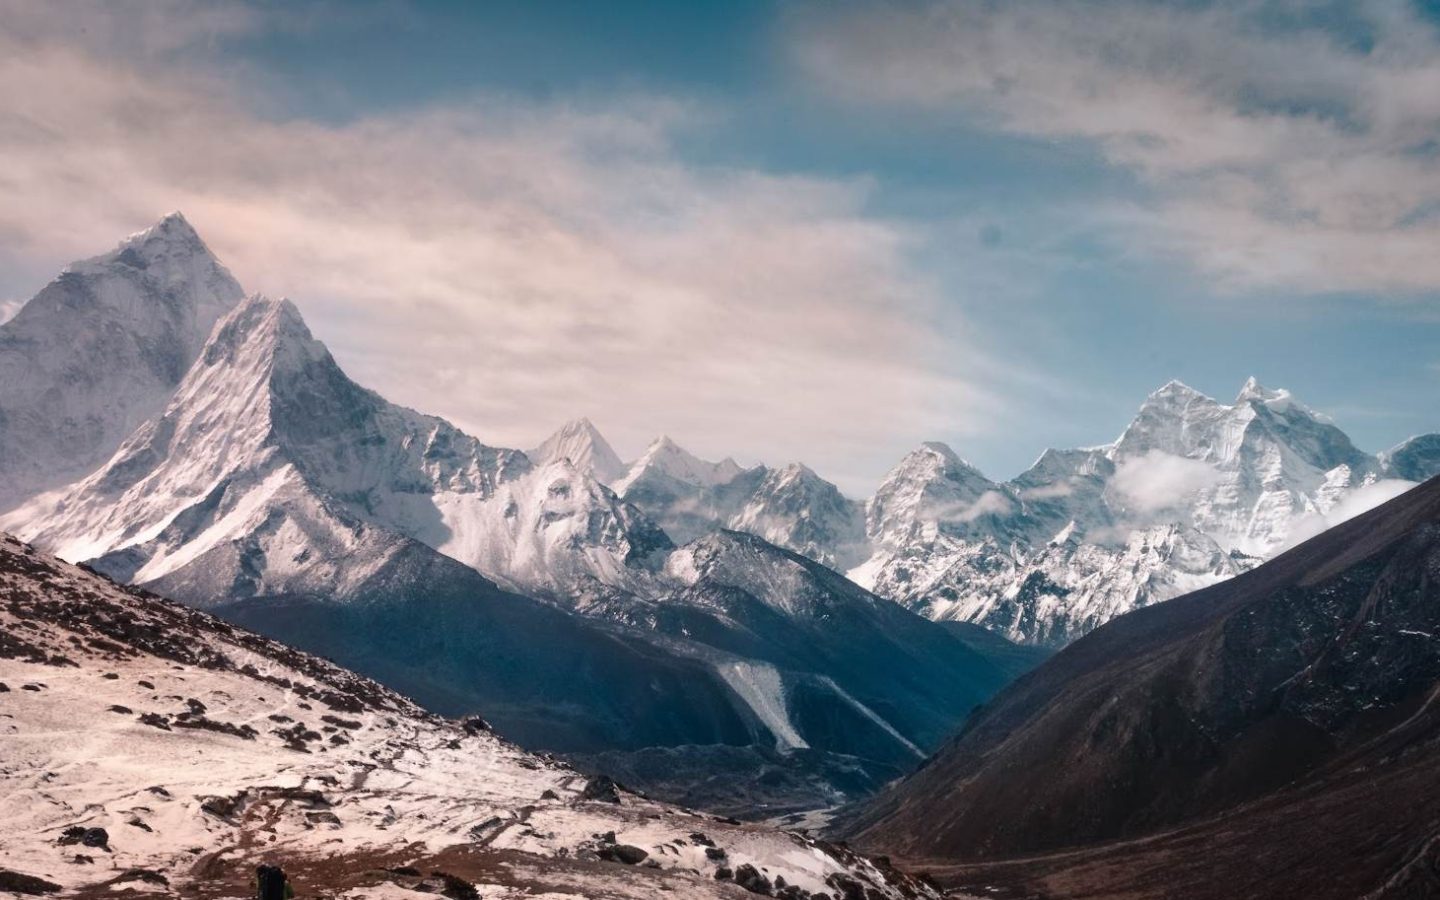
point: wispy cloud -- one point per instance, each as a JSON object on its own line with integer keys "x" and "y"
{"x": 508, "y": 265}
{"x": 1284, "y": 143}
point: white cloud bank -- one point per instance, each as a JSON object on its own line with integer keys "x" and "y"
{"x": 507, "y": 265}
{"x": 1360, "y": 500}
{"x": 1278, "y": 151}
{"x": 1157, "y": 481}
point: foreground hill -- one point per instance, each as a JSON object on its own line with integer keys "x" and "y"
{"x": 149, "y": 747}
{"x": 1272, "y": 736}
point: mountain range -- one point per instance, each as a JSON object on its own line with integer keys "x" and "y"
{"x": 743, "y": 639}
{"x": 271, "y": 488}
{"x": 684, "y": 613}
{"x": 1193, "y": 492}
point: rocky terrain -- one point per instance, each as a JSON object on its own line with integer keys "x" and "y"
{"x": 1271, "y": 736}
{"x": 154, "y": 749}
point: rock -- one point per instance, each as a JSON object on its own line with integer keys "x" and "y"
{"x": 701, "y": 838}
{"x": 750, "y": 878}
{"x": 155, "y": 720}
{"x": 4, "y": 688}
{"x": 714, "y": 853}
{"x": 146, "y": 875}
{"x": 601, "y": 788}
{"x": 456, "y": 887}
{"x": 623, "y": 853}
{"x": 549, "y": 795}
{"x": 122, "y": 710}
{"x": 25, "y": 884}
{"x": 724, "y": 873}
{"x": 224, "y": 807}
{"x": 86, "y": 837}
{"x": 408, "y": 871}
{"x": 136, "y": 823}
{"x": 322, "y": 818}
{"x": 475, "y": 725}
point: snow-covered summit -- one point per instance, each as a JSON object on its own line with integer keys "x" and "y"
{"x": 99, "y": 350}
{"x": 934, "y": 488}
{"x": 582, "y": 443}
{"x": 666, "y": 459}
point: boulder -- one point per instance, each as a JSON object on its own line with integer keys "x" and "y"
{"x": 20, "y": 883}
{"x": 601, "y": 788}
{"x": 623, "y": 853}
{"x": 752, "y": 880}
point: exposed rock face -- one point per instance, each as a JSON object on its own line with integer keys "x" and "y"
{"x": 1285, "y": 710}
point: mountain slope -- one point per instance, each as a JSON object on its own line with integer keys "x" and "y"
{"x": 99, "y": 350}
{"x": 154, "y": 748}
{"x": 1234, "y": 715}
{"x": 796, "y": 509}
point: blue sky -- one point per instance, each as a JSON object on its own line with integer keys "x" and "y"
{"x": 999, "y": 225}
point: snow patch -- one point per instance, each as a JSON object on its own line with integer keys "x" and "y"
{"x": 760, "y": 686}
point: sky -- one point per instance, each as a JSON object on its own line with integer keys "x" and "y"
{"x": 818, "y": 231}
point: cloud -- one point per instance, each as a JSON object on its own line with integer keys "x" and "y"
{"x": 507, "y": 264}
{"x": 1158, "y": 481}
{"x": 995, "y": 503}
{"x": 1048, "y": 491}
{"x": 1361, "y": 499}
{"x": 1282, "y": 144}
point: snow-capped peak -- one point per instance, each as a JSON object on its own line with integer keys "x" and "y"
{"x": 934, "y": 460}
{"x": 172, "y": 229}
{"x": 1252, "y": 389}
{"x": 582, "y": 443}
{"x": 665, "y": 457}
{"x": 933, "y": 487}
{"x": 100, "y": 349}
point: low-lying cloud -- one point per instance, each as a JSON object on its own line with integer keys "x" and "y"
{"x": 1360, "y": 500}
